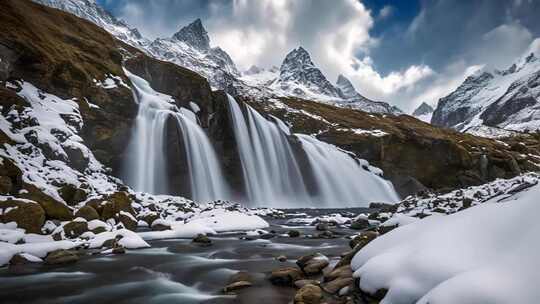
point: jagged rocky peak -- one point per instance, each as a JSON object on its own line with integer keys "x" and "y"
{"x": 423, "y": 109}
{"x": 296, "y": 60}
{"x": 506, "y": 99}
{"x": 345, "y": 86}
{"x": 195, "y": 35}
{"x": 298, "y": 68}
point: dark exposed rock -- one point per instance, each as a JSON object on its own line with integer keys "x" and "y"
{"x": 363, "y": 239}
{"x": 359, "y": 224}
{"x": 334, "y": 286}
{"x": 293, "y": 233}
{"x": 28, "y": 216}
{"x": 61, "y": 256}
{"x": 237, "y": 286}
{"x": 321, "y": 226}
{"x": 149, "y": 218}
{"x": 53, "y": 209}
{"x": 309, "y": 294}
{"x": 75, "y": 228}
{"x": 72, "y": 195}
{"x": 5, "y": 185}
{"x": 313, "y": 263}
{"x": 202, "y": 239}
{"x": 19, "y": 259}
{"x": 344, "y": 271}
{"x": 281, "y": 258}
{"x": 87, "y": 212}
{"x": 285, "y": 276}
{"x": 128, "y": 221}
{"x": 240, "y": 276}
{"x": 302, "y": 283}
{"x": 386, "y": 229}
{"x": 160, "y": 227}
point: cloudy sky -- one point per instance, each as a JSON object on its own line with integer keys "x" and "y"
{"x": 403, "y": 52}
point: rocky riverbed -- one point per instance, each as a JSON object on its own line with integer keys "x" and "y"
{"x": 267, "y": 266}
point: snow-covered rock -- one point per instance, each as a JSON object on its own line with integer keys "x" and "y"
{"x": 485, "y": 254}
{"x": 506, "y": 99}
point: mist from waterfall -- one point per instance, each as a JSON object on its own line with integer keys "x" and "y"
{"x": 146, "y": 166}
{"x": 273, "y": 177}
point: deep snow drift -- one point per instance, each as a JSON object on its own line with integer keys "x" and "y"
{"x": 485, "y": 254}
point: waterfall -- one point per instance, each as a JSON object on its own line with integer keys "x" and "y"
{"x": 146, "y": 163}
{"x": 206, "y": 179}
{"x": 273, "y": 177}
{"x": 271, "y": 173}
{"x": 343, "y": 178}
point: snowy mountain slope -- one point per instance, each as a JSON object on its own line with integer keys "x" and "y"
{"x": 424, "y": 112}
{"x": 506, "y": 99}
{"x": 90, "y": 10}
{"x": 190, "y": 48}
{"x": 298, "y": 76}
{"x": 354, "y": 100}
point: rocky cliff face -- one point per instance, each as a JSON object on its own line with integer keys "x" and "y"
{"x": 195, "y": 35}
{"x": 86, "y": 64}
{"x": 506, "y": 99}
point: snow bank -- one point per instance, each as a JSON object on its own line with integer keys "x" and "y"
{"x": 208, "y": 222}
{"x": 485, "y": 254}
{"x": 399, "y": 220}
{"x": 40, "y": 250}
{"x": 221, "y": 220}
{"x": 130, "y": 239}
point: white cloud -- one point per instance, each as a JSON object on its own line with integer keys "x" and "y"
{"x": 386, "y": 12}
{"x": 262, "y": 32}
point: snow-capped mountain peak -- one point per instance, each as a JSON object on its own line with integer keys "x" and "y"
{"x": 298, "y": 74}
{"x": 423, "y": 109}
{"x": 195, "y": 35}
{"x": 424, "y": 112}
{"x": 91, "y": 11}
{"x": 505, "y": 99}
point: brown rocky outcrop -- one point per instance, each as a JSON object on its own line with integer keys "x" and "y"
{"x": 28, "y": 215}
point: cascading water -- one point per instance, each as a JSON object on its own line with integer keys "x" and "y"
{"x": 271, "y": 170}
{"x": 271, "y": 174}
{"x": 207, "y": 182}
{"x": 146, "y": 163}
{"x": 273, "y": 178}
{"x": 342, "y": 178}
